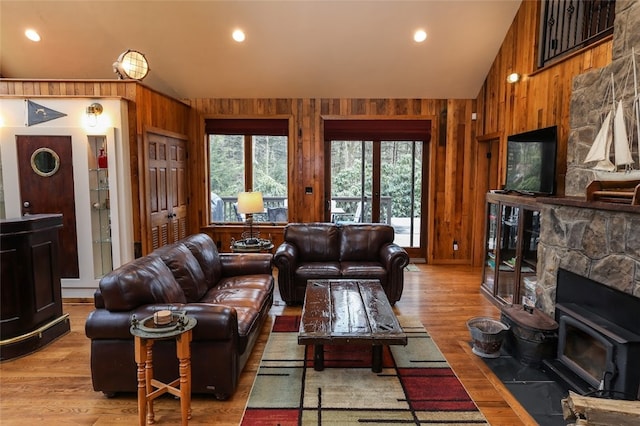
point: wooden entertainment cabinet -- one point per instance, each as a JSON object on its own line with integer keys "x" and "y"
{"x": 512, "y": 232}
{"x": 31, "y": 314}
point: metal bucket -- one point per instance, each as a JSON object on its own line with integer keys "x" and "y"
{"x": 487, "y": 335}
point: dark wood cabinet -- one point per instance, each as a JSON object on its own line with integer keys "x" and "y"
{"x": 30, "y": 289}
{"x": 511, "y": 248}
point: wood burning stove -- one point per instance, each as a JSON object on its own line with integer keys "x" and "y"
{"x": 598, "y": 337}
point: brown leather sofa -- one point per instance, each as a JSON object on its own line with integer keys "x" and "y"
{"x": 229, "y": 294}
{"x": 329, "y": 250}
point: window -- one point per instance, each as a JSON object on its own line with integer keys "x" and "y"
{"x": 376, "y": 171}
{"x": 568, "y": 25}
{"x": 248, "y": 155}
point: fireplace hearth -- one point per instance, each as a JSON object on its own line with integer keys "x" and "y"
{"x": 598, "y": 338}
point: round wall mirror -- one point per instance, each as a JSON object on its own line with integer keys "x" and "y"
{"x": 45, "y": 162}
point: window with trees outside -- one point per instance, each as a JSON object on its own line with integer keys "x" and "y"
{"x": 248, "y": 155}
{"x": 376, "y": 173}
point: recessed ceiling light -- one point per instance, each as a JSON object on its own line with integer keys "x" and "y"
{"x": 238, "y": 35}
{"x": 419, "y": 36}
{"x": 32, "y": 35}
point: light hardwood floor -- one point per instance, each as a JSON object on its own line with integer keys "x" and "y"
{"x": 53, "y": 385}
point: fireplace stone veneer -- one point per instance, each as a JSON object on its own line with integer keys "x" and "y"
{"x": 603, "y": 245}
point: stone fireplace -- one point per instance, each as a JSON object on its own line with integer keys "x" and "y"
{"x": 595, "y": 245}
{"x": 592, "y": 239}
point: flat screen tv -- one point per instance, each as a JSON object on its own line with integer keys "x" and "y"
{"x": 531, "y": 162}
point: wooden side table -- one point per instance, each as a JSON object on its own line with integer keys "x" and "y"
{"x": 145, "y": 332}
{"x": 260, "y": 245}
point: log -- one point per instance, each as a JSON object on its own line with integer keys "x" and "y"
{"x": 600, "y": 411}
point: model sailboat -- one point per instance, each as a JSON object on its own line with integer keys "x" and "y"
{"x": 618, "y": 135}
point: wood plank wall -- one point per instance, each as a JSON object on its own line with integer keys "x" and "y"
{"x": 450, "y": 182}
{"x": 540, "y": 99}
{"x": 147, "y": 108}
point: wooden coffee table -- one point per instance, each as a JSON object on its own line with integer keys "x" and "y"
{"x": 352, "y": 312}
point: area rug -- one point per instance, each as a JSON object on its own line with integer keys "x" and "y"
{"x": 412, "y": 268}
{"x": 416, "y": 385}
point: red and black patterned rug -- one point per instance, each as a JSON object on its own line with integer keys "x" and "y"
{"x": 416, "y": 385}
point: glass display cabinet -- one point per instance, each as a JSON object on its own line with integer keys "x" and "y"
{"x": 511, "y": 246}
{"x": 100, "y": 205}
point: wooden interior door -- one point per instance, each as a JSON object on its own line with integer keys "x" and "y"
{"x": 167, "y": 183}
{"x": 178, "y": 188}
{"x": 53, "y": 193}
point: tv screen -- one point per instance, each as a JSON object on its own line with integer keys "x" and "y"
{"x": 531, "y": 161}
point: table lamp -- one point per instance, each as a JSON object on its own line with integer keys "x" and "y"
{"x": 248, "y": 204}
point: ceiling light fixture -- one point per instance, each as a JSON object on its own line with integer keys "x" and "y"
{"x": 238, "y": 35}
{"x": 32, "y": 35}
{"x": 131, "y": 64}
{"x": 513, "y": 77}
{"x": 419, "y": 36}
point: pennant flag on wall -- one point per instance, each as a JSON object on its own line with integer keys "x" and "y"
{"x": 37, "y": 114}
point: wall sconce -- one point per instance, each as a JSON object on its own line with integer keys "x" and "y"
{"x": 131, "y": 64}
{"x": 513, "y": 78}
{"x": 93, "y": 111}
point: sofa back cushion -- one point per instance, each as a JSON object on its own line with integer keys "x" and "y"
{"x": 362, "y": 242}
{"x": 143, "y": 281}
{"x": 206, "y": 253}
{"x": 316, "y": 242}
{"x": 185, "y": 269}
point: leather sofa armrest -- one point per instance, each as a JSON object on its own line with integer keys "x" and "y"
{"x": 98, "y": 300}
{"x": 394, "y": 258}
{"x": 215, "y": 322}
{"x": 286, "y": 260}
{"x": 235, "y": 264}
{"x": 286, "y": 256}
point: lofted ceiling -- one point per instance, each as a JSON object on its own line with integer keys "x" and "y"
{"x": 293, "y": 49}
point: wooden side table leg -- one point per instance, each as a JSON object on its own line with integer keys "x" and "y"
{"x": 151, "y": 416}
{"x": 184, "y": 355}
{"x": 141, "y": 360}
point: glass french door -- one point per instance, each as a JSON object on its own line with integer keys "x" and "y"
{"x": 379, "y": 181}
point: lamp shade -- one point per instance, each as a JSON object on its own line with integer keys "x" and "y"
{"x": 250, "y": 202}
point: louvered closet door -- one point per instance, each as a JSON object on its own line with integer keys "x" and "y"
{"x": 167, "y": 183}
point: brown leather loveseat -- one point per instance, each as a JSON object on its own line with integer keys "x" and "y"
{"x": 229, "y": 294}
{"x": 329, "y": 250}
